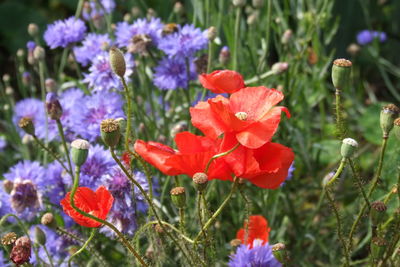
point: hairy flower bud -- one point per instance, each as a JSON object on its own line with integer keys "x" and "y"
{"x": 348, "y": 148}
{"x": 341, "y": 70}
{"x": 117, "y": 61}
{"x": 110, "y": 132}
{"x": 26, "y": 124}
{"x": 21, "y": 252}
{"x": 200, "y": 180}
{"x": 377, "y": 212}
{"x": 79, "y": 151}
{"x": 48, "y": 220}
{"x": 50, "y": 85}
{"x": 53, "y": 106}
{"x": 178, "y": 197}
{"x": 280, "y": 67}
{"x": 280, "y": 253}
{"x": 40, "y": 236}
{"x": 33, "y": 29}
{"x": 389, "y": 114}
{"x": 39, "y": 53}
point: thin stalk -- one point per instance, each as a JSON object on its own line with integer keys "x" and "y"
{"x": 267, "y": 34}
{"x": 398, "y": 185}
{"x": 237, "y": 36}
{"x": 43, "y": 93}
{"x": 359, "y": 182}
{"x": 199, "y": 213}
{"x": 124, "y": 241}
{"x": 48, "y": 256}
{"x": 218, "y": 156}
{"x": 92, "y": 234}
{"x": 218, "y": 211}
{"x": 128, "y": 115}
{"x": 338, "y": 172}
{"x": 61, "y": 132}
{"x": 247, "y": 211}
{"x": 260, "y": 77}
{"x": 182, "y": 220}
{"x": 339, "y": 121}
{"x": 170, "y": 226}
{"x": 79, "y": 9}
{"x": 63, "y": 62}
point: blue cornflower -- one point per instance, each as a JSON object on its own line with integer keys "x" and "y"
{"x": 29, "y": 184}
{"x": 171, "y": 73}
{"x": 91, "y": 46}
{"x": 64, "y": 32}
{"x": 366, "y": 36}
{"x": 3, "y": 261}
{"x": 97, "y": 9}
{"x": 56, "y": 188}
{"x": 290, "y": 174}
{"x": 184, "y": 43}
{"x": 30, "y": 45}
{"x": 101, "y": 76}
{"x": 34, "y": 109}
{"x": 124, "y": 31}
{"x": 260, "y": 255}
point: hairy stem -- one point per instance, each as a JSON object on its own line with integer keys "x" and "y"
{"x": 218, "y": 156}
{"x": 61, "y": 132}
{"x": 92, "y": 234}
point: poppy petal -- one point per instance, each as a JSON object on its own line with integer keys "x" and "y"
{"x": 222, "y": 81}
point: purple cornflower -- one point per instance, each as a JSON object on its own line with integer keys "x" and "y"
{"x": 96, "y": 9}
{"x": 101, "y": 76}
{"x": 171, "y": 73}
{"x": 3, "y": 261}
{"x": 91, "y": 46}
{"x": 29, "y": 183}
{"x": 125, "y": 32}
{"x": 56, "y": 188}
{"x": 184, "y": 43}
{"x": 260, "y": 255}
{"x": 97, "y": 107}
{"x": 30, "y": 45}
{"x": 34, "y": 109}
{"x": 64, "y": 32}
{"x": 366, "y": 36}
{"x": 290, "y": 174}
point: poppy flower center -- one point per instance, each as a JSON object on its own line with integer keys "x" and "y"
{"x": 241, "y": 115}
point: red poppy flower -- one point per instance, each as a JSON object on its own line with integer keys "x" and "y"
{"x": 192, "y": 156}
{"x": 249, "y": 113}
{"x": 257, "y": 229}
{"x": 222, "y": 81}
{"x": 96, "y": 203}
{"x": 126, "y": 158}
{"x": 266, "y": 167}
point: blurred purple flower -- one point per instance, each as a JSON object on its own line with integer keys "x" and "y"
{"x": 30, "y": 45}
{"x": 184, "y": 43}
{"x": 259, "y": 255}
{"x": 64, "y": 32}
{"x": 56, "y": 188}
{"x": 91, "y": 47}
{"x": 3, "y": 261}
{"x": 98, "y": 8}
{"x": 34, "y": 109}
{"x": 125, "y": 32}
{"x": 171, "y": 73}
{"x": 366, "y": 36}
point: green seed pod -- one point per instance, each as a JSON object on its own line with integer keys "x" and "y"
{"x": 40, "y": 236}
{"x": 117, "y": 61}
{"x": 178, "y": 197}
{"x": 341, "y": 73}
{"x": 377, "y": 212}
{"x": 348, "y": 148}
{"x": 79, "y": 151}
{"x": 388, "y": 115}
{"x": 27, "y": 125}
{"x": 396, "y": 128}
{"x": 280, "y": 253}
{"x": 378, "y": 246}
{"x": 200, "y": 180}
{"x": 110, "y": 132}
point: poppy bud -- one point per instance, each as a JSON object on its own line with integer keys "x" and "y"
{"x": 9, "y": 238}
{"x": 377, "y": 212}
{"x": 8, "y": 186}
{"x": 200, "y": 180}
{"x": 327, "y": 178}
{"x": 40, "y": 236}
{"x": 280, "y": 253}
{"x": 348, "y": 148}
{"x": 178, "y": 8}
{"x": 178, "y": 197}
{"x": 280, "y": 67}
{"x": 26, "y": 124}
{"x": 117, "y": 61}
{"x": 53, "y": 106}
{"x": 33, "y": 29}
{"x": 39, "y": 53}
{"x": 388, "y": 115}
{"x": 287, "y": 35}
{"x": 224, "y": 55}
{"x": 239, "y": 3}
{"x": 127, "y": 17}
{"x": 21, "y": 252}
{"x": 211, "y": 33}
{"x": 258, "y": 3}
{"x": 396, "y": 128}
{"x": 48, "y": 220}
{"x": 378, "y": 246}
{"x": 110, "y": 132}
{"x": 79, "y": 151}
{"x": 341, "y": 72}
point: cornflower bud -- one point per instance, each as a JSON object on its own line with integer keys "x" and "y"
{"x": 178, "y": 197}
{"x": 287, "y": 35}
{"x": 27, "y": 125}
{"x": 378, "y": 246}
{"x": 377, "y": 212}
{"x": 280, "y": 253}
{"x": 6, "y": 78}
{"x": 40, "y": 236}
{"x": 20, "y": 53}
{"x": 110, "y": 132}
{"x": 341, "y": 70}
{"x": 239, "y": 3}
{"x": 8, "y": 186}
{"x": 396, "y": 128}
{"x": 33, "y": 29}
{"x": 53, "y": 106}
{"x": 178, "y": 8}
{"x": 9, "y": 90}
{"x": 388, "y": 115}
{"x": 211, "y": 33}
{"x": 50, "y": 85}
{"x": 39, "y": 53}
{"x": 151, "y": 13}
{"x": 224, "y": 55}
{"x": 280, "y": 67}
{"x": 117, "y": 61}
{"x": 79, "y": 151}
{"x": 200, "y": 180}
{"x": 21, "y": 252}
{"x": 9, "y": 238}
{"x": 48, "y": 220}
{"x": 348, "y": 148}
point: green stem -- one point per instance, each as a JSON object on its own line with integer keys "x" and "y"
{"x": 338, "y": 173}
{"x": 237, "y": 36}
{"x": 247, "y": 211}
{"x": 128, "y": 113}
{"x": 199, "y": 213}
{"x": 218, "y": 156}
{"x": 43, "y": 93}
{"x": 61, "y": 132}
{"x": 63, "y": 62}
{"x": 170, "y": 226}
{"x": 359, "y": 182}
{"x": 218, "y": 211}
{"x": 398, "y": 185}
{"x": 260, "y": 77}
{"x": 92, "y": 234}
{"x": 79, "y": 9}
{"x": 339, "y": 122}
{"x": 182, "y": 220}
{"x": 124, "y": 241}
{"x": 48, "y": 256}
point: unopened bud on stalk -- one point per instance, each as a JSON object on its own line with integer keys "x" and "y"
{"x": 48, "y": 220}
{"x": 200, "y": 180}
{"x": 349, "y": 146}
{"x": 53, "y": 106}
{"x": 9, "y": 90}
{"x": 39, "y": 53}
{"x": 341, "y": 70}
{"x": 50, "y": 85}
{"x": 6, "y": 78}
{"x": 353, "y": 49}
{"x": 377, "y": 212}
{"x": 20, "y": 53}
{"x": 280, "y": 253}
{"x": 239, "y": 3}
{"x": 389, "y": 114}
{"x": 110, "y": 132}
{"x": 378, "y": 246}
{"x": 396, "y": 128}
{"x": 21, "y": 252}
{"x": 211, "y": 33}
{"x": 27, "y": 125}
{"x": 9, "y": 239}
{"x": 40, "y": 236}
{"x": 287, "y": 35}
{"x": 178, "y": 197}
{"x": 224, "y": 55}
{"x": 151, "y": 13}
{"x": 178, "y": 8}
{"x": 280, "y": 67}
{"x": 79, "y": 151}
{"x": 33, "y": 29}
{"x": 135, "y": 11}
{"x": 117, "y": 61}
{"x": 8, "y": 186}
{"x": 258, "y": 3}
{"x": 127, "y": 17}
{"x": 327, "y": 178}
{"x": 26, "y": 78}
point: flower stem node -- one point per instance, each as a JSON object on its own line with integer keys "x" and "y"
{"x": 200, "y": 180}
{"x": 396, "y": 128}
{"x": 341, "y": 70}
{"x": 389, "y": 114}
{"x": 48, "y": 220}
{"x": 110, "y": 132}
{"x": 40, "y": 236}
{"x": 377, "y": 212}
{"x": 280, "y": 253}
{"x": 8, "y": 186}
{"x": 79, "y": 151}
{"x": 349, "y": 146}
{"x": 117, "y": 62}
{"x": 27, "y": 125}
{"x": 378, "y": 246}
{"x": 178, "y": 196}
